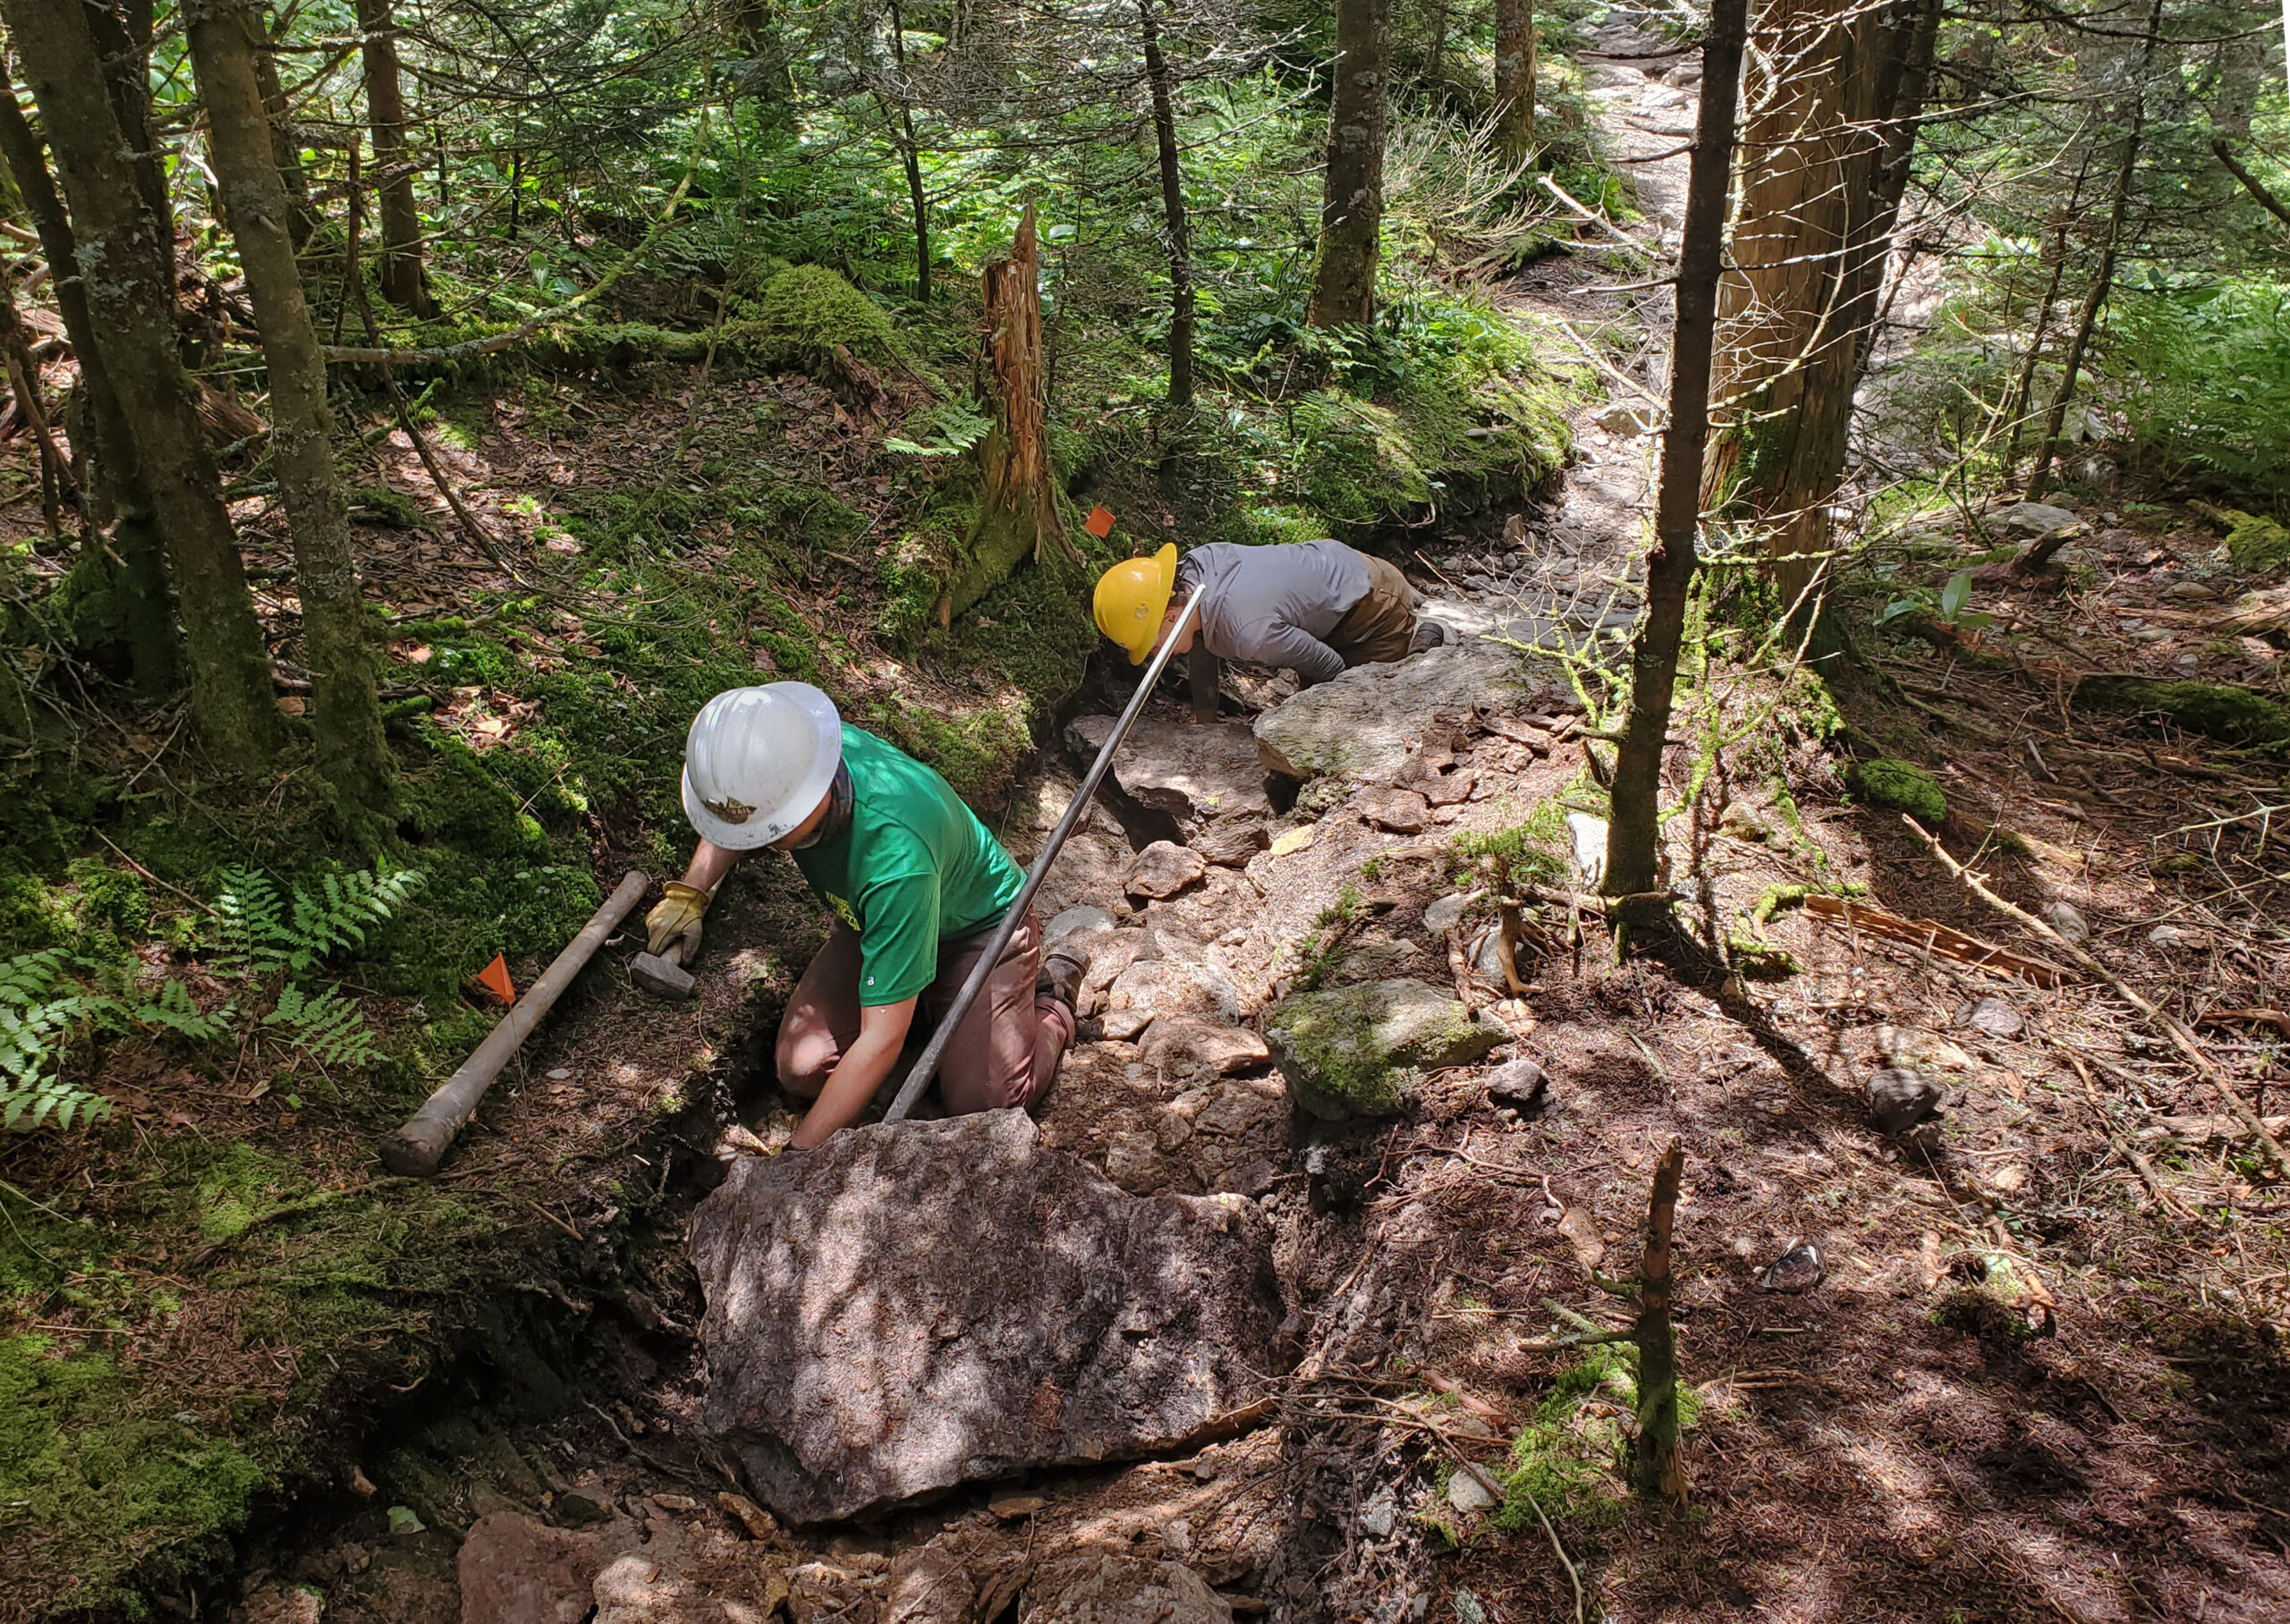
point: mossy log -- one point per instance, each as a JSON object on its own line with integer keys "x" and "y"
{"x": 2218, "y": 710}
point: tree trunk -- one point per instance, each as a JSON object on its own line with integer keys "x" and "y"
{"x": 1828, "y": 141}
{"x": 1655, "y": 1465}
{"x": 1514, "y": 77}
{"x": 127, "y": 276}
{"x": 1633, "y": 833}
{"x": 123, "y": 42}
{"x": 2015, "y": 401}
{"x": 286, "y": 149}
{"x": 911, "y": 159}
{"x": 2103, "y": 277}
{"x": 225, "y": 42}
{"x": 1352, "y": 193}
{"x": 1017, "y": 511}
{"x": 139, "y": 581}
{"x": 1180, "y": 240}
{"x": 400, "y": 260}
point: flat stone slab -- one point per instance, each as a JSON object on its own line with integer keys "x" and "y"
{"x": 1363, "y": 1050}
{"x": 916, "y": 1305}
{"x": 1365, "y": 724}
{"x": 1195, "y": 770}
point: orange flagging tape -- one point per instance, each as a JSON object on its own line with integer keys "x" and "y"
{"x": 1100, "y": 523}
{"x": 495, "y": 979}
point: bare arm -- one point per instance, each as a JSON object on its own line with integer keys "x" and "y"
{"x": 709, "y": 864}
{"x": 882, "y": 1032}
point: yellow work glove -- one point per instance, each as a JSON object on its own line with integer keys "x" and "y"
{"x": 676, "y": 918}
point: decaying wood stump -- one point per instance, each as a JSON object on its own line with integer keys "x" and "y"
{"x": 1017, "y": 508}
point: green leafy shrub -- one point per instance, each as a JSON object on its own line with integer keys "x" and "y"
{"x": 2211, "y": 397}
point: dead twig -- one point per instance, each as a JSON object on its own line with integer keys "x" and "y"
{"x": 2123, "y": 1146}
{"x": 2179, "y": 1036}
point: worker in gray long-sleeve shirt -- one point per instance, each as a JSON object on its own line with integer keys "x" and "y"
{"x": 1312, "y": 607}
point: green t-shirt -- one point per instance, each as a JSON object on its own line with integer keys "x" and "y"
{"x": 914, "y": 868}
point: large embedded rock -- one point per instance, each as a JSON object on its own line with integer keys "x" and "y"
{"x": 1151, "y": 989}
{"x": 514, "y": 1571}
{"x": 916, "y": 1305}
{"x": 1363, "y": 1051}
{"x": 1163, "y": 869}
{"x": 1095, "y": 1586}
{"x": 1365, "y": 724}
{"x": 1193, "y": 770}
{"x": 2030, "y": 521}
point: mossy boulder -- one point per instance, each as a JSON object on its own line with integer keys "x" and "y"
{"x": 2257, "y": 546}
{"x": 1901, "y": 786}
{"x": 1363, "y": 1051}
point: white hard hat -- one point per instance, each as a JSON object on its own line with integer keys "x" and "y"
{"x": 757, "y": 761}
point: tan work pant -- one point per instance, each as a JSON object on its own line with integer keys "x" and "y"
{"x": 1376, "y": 630}
{"x": 1004, "y": 1053}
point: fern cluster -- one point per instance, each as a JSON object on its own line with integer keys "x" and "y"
{"x": 51, "y": 1003}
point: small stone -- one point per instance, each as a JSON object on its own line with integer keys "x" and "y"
{"x": 1469, "y": 1608}
{"x": 558, "y": 1074}
{"x": 1516, "y": 1083}
{"x": 1402, "y": 811}
{"x": 1443, "y": 914}
{"x": 1582, "y": 1232}
{"x": 1016, "y": 1508}
{"x": 2072, "y": 926}
{"x": 2030, "y": 521}
{"x": 1900, "y": 1097}
{"x": 1380, "y": 1515}
{"x": 402, "y": 1521}
{"x": 1229, "y": 842}
{"x": 1798, "y": 1269}
{"x": 1132, "y": 1161}
{"x": 2011, "y": 1179}
{"x": 1739, "y": 820}
{"x": 1995, "y": 1018}
{"x": 678, "y": 1503}
{"x": 2167, "y": 936}
{"x": 1080, "y": 921}
{"x": 1296, "y": 840}
{"x": 1589, "y": 836}
{"x": 1467, "y": 1494}
{"x": 1163, "y": 869}
{"x": 1450, "y": 788}
{"x": 578, "y": 1506}
{"x": 759, "y": 1523}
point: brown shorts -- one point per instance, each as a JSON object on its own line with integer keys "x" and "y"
{"x": 1004, "y": 1053}
{"x": 1376, "y": 630}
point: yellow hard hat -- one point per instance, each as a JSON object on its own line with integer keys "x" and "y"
{"x": 1132, "y": 597}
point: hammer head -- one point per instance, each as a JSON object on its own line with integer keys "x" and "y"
{"x": 660, "y": 975}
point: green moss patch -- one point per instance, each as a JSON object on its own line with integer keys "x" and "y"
{"x": 1900, "y": 786}
{"x": 2236, "y": 716}
{"x": 1362, "y": 1050}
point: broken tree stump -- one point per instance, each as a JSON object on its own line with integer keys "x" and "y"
{"x": 1017, "y": 505}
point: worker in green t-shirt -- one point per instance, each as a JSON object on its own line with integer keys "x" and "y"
{"x": 917, "y": 885}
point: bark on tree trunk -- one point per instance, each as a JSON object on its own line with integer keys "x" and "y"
{"x": 1180, "y": 240}
{"x": 285, "y": 149}
{"x": 123, "y": 41}
{"x": 1656, "y": 1468}
{"x": 1633, "y": 833}
{"x": 139, "y": 581}
{"x": 1352, "y": 194}
{"x": 126, "y": 272}
{"x": 1834, "y": 99}
{"x": 400, "y": 260}
{"x": 1017, "y": 511}
{"x": 226, "y": 41}
{"x": 1514, "y": 77}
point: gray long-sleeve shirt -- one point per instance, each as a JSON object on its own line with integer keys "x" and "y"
{"x": 1274, "y": 604}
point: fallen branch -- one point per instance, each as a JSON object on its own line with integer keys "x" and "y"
{"x": 468, "y": 520}
{"x": 1931, "y": 937}
{"x": 2275, "y": 1018}
{"x": 2123, "y": 1146}
{"x": 2181, "y": 1038}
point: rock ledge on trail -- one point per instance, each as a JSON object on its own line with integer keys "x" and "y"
{"x": 1363, "y": 1050}
{"x": 1191, "y": 770}
{"x": 913, "y": 1306}
{"x": 1365, "y": 724}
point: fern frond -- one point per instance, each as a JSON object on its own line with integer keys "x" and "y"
{"x": 328, "y": 1027}
{"x": 173, "y": 1010}
{"x": 41, "y": 1007}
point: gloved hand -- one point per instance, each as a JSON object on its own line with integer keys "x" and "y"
{"x": 676, "y": 918}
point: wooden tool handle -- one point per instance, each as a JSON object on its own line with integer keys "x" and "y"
{"x": 417, "y": 1148}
